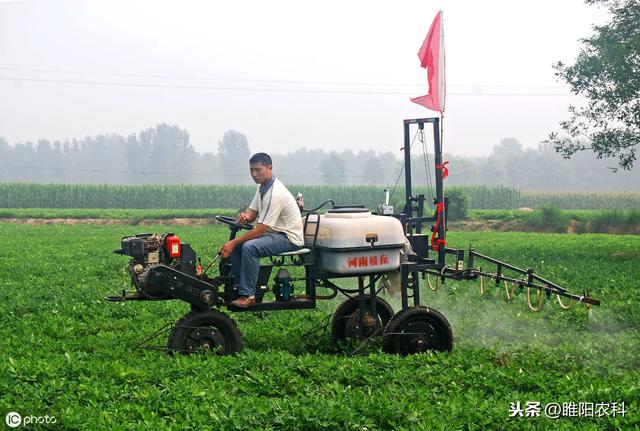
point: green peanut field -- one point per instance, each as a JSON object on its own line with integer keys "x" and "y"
{"x": 68, "y": 353}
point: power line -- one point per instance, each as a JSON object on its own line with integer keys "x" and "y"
{"x": 258, "y": 89}
{"x": 271, "y": 81}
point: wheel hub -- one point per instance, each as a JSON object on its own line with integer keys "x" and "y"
{"x": 207, "y": 339}
{"x": 419, "y": 336}
{"x": 369, "y": 325}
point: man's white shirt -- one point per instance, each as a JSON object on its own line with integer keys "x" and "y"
{"x": 278, "y": 209}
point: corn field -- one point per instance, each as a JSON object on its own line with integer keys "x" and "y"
{"x": 492, "y": 197}
{"x": 582, "y": 201}
{"x": 30, "y": 195}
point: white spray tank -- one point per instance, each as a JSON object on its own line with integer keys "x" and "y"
{"x": 353, "y": 241}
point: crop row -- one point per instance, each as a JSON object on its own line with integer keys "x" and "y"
{"x": 31, "y": 195}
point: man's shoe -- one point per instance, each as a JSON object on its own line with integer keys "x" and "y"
{"x": 244, "y": 301}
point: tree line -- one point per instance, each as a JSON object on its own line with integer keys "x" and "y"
{"x": 164, "y": 155}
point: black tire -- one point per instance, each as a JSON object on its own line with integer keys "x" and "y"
{"x": 347, "y": 315}
{"x": 204, "y": 331}
{"x": 417, "y": 330}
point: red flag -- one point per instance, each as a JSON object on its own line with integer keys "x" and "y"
{"x": 431, "y": 56}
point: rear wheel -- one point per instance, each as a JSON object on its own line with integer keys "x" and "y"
{"x": 346, "y": 318}
{"x": 417, "y": 330}
{"x": 207, "y": 331}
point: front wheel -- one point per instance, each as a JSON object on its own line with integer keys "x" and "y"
{"x": 418, "y": 330}
{"x": 207, "y": 331}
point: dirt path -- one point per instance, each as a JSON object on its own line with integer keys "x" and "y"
{"x": 111, "y": 221}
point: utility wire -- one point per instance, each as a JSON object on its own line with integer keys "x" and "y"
{"x": 257, "y": 89}
{"x": 271, "y": 81}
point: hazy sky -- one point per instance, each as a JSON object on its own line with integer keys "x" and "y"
{"x": 330, "y": 74}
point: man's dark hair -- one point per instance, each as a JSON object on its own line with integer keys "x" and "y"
{"x": 263, "y": 158}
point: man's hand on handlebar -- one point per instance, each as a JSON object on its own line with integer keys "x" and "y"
{"x": 243, "y": 218}
{"x": 246, "y": 216}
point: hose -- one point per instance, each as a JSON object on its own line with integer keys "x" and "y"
{"x": 540, "y": 300}
{"x": 506, "y": 289}
{"x": 564, "y": 306}
{"x": 430, "y": 285}
{"x": 320, "y": 206}
{"x": 482, "y": 291}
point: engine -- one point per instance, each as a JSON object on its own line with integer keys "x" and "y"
{"x": 148, "y": 251}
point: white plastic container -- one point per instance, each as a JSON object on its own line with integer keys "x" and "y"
{"x": 353, "y": 241}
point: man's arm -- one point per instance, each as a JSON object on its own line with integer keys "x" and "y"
{"x": 258, "y": 231}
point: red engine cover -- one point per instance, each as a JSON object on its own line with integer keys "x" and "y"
{"x": 173, "y": 245}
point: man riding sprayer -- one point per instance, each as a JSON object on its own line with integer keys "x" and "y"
{"x": 278, "y": 229}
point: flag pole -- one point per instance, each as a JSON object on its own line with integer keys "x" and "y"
{"x": 442, "y": 149}
{"x": 441, "y": 129}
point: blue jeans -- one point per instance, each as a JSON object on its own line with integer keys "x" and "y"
{"x": 245, "y": 259}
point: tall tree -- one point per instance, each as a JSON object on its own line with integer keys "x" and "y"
{"x": 234, "y": 154}
{"x": 333, "y": 170}
{"x": 607, "y": 74}
{"x": 373, "y": 171}
{"x": 163, "y": 152}
{"x": 5, "y": 159}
